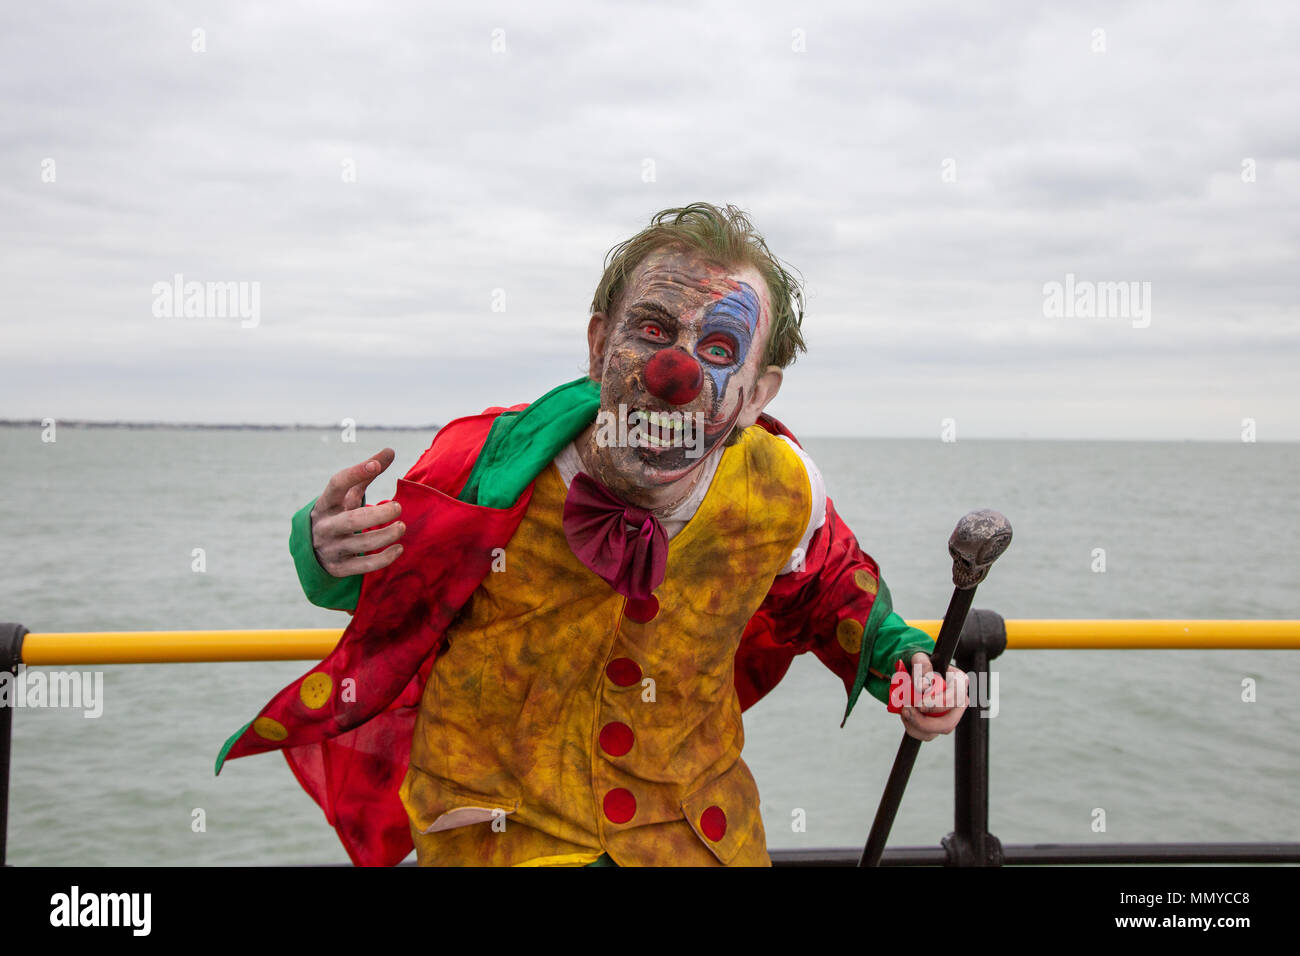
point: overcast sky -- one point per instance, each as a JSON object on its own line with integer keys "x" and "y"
{"x": 928, "y": 168}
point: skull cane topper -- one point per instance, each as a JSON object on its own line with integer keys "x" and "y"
{"x": 978, "y": 540}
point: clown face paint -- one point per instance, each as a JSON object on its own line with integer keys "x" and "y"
{"x": 685, "y": 339}
{"x": 727, "y": 333}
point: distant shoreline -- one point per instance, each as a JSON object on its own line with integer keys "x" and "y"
{"x": 222, "y": 426}
{"x": 235, "y": 427}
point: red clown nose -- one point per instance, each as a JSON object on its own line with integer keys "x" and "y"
{"x": 674, "y": 376}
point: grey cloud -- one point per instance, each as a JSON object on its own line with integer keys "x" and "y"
{"x": 478, "y": 172}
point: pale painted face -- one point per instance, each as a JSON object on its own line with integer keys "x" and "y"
{"x": 687, "y": 336}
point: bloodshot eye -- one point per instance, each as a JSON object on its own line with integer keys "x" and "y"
{"x": 654, "y": 332}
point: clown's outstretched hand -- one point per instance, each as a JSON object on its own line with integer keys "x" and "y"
{"x": 346, "y": 534}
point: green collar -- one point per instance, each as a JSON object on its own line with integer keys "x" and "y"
{"x": 523, "y": 443}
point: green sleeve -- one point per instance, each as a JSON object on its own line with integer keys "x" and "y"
{"x": 321, "y": 587}
{"x": 895, "y": 640}
{"x": 890, "y": 639}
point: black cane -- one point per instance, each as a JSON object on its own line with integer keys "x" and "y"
{"x": 978, "y": 540}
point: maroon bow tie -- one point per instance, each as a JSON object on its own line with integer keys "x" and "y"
{"x": 623, "y": 544}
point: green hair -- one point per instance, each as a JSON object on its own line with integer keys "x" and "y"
{"x": 727, "y": 236}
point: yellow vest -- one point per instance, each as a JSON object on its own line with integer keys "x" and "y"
{"x": 554, "y": 726}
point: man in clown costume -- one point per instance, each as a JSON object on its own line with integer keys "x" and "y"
{"x": 549, "y": 667}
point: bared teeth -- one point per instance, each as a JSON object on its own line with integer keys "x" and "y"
{"x": 665, "y": 421}
{"x": 662, "y": 420}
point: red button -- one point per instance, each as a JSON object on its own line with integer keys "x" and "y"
{"x": 620, "y": 805}
{"x": 642, "y": 611}
{"x": 616, "y": 739}
{"x": 623, "y": 671}
{"x": 714, "y": 823}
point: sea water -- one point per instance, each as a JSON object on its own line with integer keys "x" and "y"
{"x": 144, "y": 529}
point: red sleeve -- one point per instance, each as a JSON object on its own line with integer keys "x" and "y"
{"x": 825, "y": 607}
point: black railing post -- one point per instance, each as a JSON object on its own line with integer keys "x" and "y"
{"x": 11, "y": 655}
{"x": 983, "y": 638}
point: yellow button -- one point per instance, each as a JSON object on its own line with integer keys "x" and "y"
{"x": 270, "y": 729}
{"x": 849, "y": 634}
{"x": 315, "y": 690}
{"x": 864, "y": 581}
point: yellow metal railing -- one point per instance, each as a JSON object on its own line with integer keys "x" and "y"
{"x": 162, "y": 647}
{"x": 1152, "y": 635}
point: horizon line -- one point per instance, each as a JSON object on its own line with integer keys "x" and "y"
{"x": 301, "y": 426}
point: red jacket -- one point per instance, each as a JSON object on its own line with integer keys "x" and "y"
{"x": 345, "y": 727}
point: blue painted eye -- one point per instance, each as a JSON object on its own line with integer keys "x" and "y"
{"x": 718, "y": 349}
